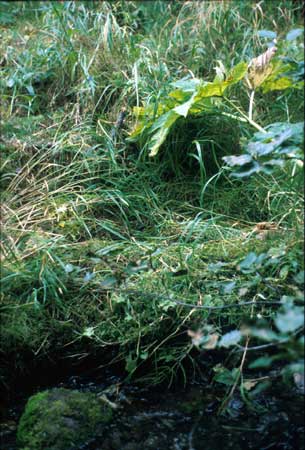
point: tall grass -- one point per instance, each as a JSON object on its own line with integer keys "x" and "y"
{"x": 81, "y": 209}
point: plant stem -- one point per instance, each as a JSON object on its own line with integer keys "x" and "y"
{"x": 254, "y": 124}
{"x": 251, "y": 104}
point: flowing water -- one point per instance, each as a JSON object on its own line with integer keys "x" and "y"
{"x": 181, "y": 418}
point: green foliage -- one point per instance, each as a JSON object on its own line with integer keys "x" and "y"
{"x": 265, "y": 152}
{"x": 191, "y": 97}
{"x": 100, "y": 243}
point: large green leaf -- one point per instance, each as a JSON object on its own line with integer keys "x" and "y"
{"x": 163, "y": 125}
{"x": 217, "y": 88}
{"x": 281, "y": 77}
{"x": 192, "y": 96}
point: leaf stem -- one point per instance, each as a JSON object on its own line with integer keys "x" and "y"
{"x": 251, "y": 104}
{"x": 254, "y": 124}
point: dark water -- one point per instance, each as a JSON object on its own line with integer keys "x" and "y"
{"x": 183, "y": 419}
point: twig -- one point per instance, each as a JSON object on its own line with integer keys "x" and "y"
{"x": 240, "y": 371}
{"x": 191, "y": 305}
{"x": 232, "y": 305}
{"x": 259, "y": 347}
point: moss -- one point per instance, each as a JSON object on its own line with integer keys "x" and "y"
{"x": 60, "y": 419}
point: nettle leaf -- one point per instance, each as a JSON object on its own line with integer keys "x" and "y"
{"x": 299, "y": 277}
{"x": 296, "y": 129}
{"x": 266, "y": 334}
{"x": 237, "y": 160}
{"x": 131, "y": 363}
{"x": 246, "y": 171}
{"x": 263, "y": 148}
{"x": 262, "y": 362}
{"x": 227, "y": 287}
{"x": 266, "y": 151}
{"x": 267, "y": 34}
{"x": 30, "y": 89}
{"x": 290, "y": 320}
{"x": 229, "y": 339}
{"x": 108, "y": 282}
{"x": 216, "y": 267}
{"x": 248, "y": 263}
{"x": 293, "y": 34}
{"x": 296, "y": 71}
{"x": 226, "y": 376}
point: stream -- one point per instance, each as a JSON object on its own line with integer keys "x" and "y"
{"x": 179, "y": 418}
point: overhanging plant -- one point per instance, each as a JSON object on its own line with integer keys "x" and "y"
{"x": 192, "y": 97}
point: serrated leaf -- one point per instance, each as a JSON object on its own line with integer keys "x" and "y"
{"x": 290, "y": 320}
{"x": 299, "y": 277}
{"x": 265, "y": 334}
{"x": 108, "y": 282}
{"x": 293, "y": 34}
{"x": 255, "y": 167}
{"x": 69, "y": 268}
{"x": 227, "y": 288}
{"x": 89, "y": 276}
{"x": 30, "y": 89}
{"x": 249, "y": 384}
{"x": 248, "y": 262}
{"x": 209, "y": 90}
{"x": 226, "y": 376}
{"x": 88, "y": 332}
{"x": 237, "y": 160}
{"x": 180, "y": 95}
{"x": 267, "y": 34}
{"x": 229, "y": 339}
{"x": 264, "y": 361}
{"x": 284, "y": 272}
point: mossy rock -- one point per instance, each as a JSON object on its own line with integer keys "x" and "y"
{"x": 61, "y": 419}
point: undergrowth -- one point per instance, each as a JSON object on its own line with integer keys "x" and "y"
{"x": 106, "y": 248}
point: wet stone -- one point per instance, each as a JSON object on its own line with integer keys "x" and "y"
{"x": 61, "y": 419}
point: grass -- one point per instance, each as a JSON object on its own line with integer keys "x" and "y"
{"x": 91, "y": 228}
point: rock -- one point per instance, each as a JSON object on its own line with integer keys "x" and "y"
{"x": 61, "y": 419}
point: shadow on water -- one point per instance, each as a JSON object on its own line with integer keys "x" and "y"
{"x": 178, "y": 419}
